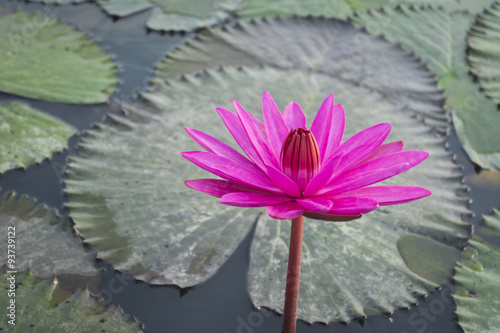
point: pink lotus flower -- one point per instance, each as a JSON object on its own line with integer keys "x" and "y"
{"x": 298, "y": 171}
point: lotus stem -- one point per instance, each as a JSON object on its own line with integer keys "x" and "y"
{"x": 293, "y": 276}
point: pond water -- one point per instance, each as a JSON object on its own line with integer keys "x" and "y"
{"x": 222, "y": 304}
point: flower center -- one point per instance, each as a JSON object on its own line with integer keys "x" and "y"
{"x": 300, "y": 157}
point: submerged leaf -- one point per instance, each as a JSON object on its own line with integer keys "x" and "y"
{"x": 141, "y": 218}
{"x": 43, "y": 242}
{"x": 29, "y": 136}
{"x": 43, "y": 306}
{"x": 427, "y": 258}
{"x": 45, "y": 59}
{"x": 478, "y": 296}
{"x": 441, "y": 44}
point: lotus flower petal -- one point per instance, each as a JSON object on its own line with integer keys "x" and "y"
{"x": 362, "y": 145}
{"x": 352, "y": 206}
{"x": 336, "y": 129}
{"x": 274, "y": 124}
{"x": 285, "y": 211}
{"x": 385, "y": 149}
{"x": 365, "y": 179}
{"x": 316, "y": 205}
{"x": 282, "y": 181}
{"x": 371, "y": 137}
{"x": 229, "y": 170}
{"x": 388, "y": 194}
{"x": 324, "y": 175}
{"x": 215, "y": 146}
{"x": 322, "y": 124}
{"x": 412, "y": 157}
{"x": 216, "y": 187}
{"x": 256, "y": 139}
{"x": 253, "y": 199}
{"x": 294, "y": 116}
{"x": 234, "y": 126}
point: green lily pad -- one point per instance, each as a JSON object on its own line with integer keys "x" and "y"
{"x": 43, "y": 306}
{"x": 45, "y": 59}
{"x": 142, "y": 218}
{"x": 439, "y": 40}
{"x": 491, "y": 224}
{"x": 175, "y": 15}
{"x": 59, "y": 2}
{"x": 478, "y": 296}
{"x": 484, "y": 41}
{"x": 124, "y": 7}
{"x": 41, "y": 241}
{"x": 29, "y": 136}
{"x": 343, "y": 8}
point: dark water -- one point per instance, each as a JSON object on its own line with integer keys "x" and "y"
{"x": 222, "y": 304}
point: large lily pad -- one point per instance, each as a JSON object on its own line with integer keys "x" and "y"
{"x": 403, "y": 250}
{"x": 45, "y": 59}
{"x": 43, "y": 306}
{"x": 342, "y": 8}
{"x": 331, "y": 47}
{"x": 42, "y": 241}
{"x": 478, "y": 296}
{"x": 59, "y": 2}
{"x": 29, "y": 136}
{"x": 439, "y": 40}
{"x": 141, "y": 217}
{"x": 484, "y": 41}
{"x": 175, "y": 15}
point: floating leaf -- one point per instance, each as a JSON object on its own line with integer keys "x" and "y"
{"x": 439, "y": 40}
{"x": 141, "y": 218}
{"x": 484, "y": 42}
{"x": 329, "y": 8}
{"x": 43, "y": 306}
{"x": 59, "y": 2}
{"x": 40, "y": 240}
{"x": 45, "y": 59}
{"x": 29, "y": 136}
{"x": 491, "y": 224}
{"x": 342, "y": 8}
{"x": 175, "y": 15}
{"x": 124, "y": 7}
{"x": 478, "y": 296}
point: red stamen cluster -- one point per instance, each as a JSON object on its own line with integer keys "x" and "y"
{"x": 300, "y": 158}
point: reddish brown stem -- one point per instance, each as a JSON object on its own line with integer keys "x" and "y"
{"x": 293, "y": 276}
